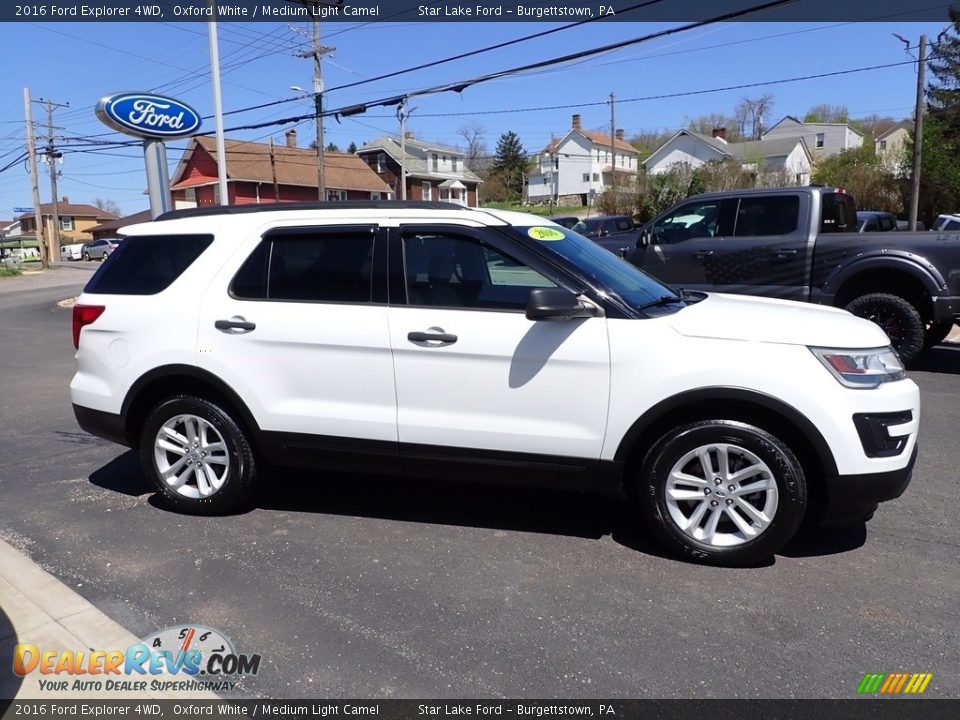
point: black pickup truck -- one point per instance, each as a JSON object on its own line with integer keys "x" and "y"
{"x": 801, "y": 243}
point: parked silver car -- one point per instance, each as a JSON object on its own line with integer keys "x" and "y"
{"x": 98, "y": 249}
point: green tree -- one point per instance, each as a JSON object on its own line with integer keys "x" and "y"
{"x": 332, "y": 147}
{"x": 510, "y": 164}
{"x": 352, "y": 148}
{"x": 826, "y": 113}
{"x": 860, "y": 172}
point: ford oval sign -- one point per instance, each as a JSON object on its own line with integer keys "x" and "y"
{"x": 146, "y": 115}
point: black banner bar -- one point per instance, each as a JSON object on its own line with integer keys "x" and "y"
{"x": 866, "y": 709}
{"x": 563, "y": 11}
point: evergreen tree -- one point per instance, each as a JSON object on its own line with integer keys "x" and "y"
{"x": 352, "y": 148}
{"x": 510, "y": 163}
{"x": 331, "y": 147}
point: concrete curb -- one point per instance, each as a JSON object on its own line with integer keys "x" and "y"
{"x": 43, "y": 611}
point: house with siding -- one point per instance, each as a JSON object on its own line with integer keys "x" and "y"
{"x": 890, "y": 145}
{"x": 76, "y": 220}
{"x": 822, "y": 139}
{"x": 580, "y": 165}
{"x": 265, "y": 173}
{"x": 784, "y": 155}
{"x": 434, "y": 172}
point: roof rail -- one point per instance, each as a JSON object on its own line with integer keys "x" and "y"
{"x": 310, "y": 205}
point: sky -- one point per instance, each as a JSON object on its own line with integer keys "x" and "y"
{"x": 77, "y": 63}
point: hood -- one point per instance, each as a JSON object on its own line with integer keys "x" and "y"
{"x": 741, "y": 317}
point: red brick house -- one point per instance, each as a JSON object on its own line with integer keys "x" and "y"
{"x": 434, "y": 172}
{"x": 253, "y": 178}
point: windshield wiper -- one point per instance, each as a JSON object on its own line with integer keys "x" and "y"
{"x": 660, "y": 301}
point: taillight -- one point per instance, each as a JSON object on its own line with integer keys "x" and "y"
{"x": 84, "y": 315}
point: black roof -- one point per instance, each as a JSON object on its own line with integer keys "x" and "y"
{"x": 310, "y": 205}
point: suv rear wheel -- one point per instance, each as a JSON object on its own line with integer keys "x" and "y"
{"x": 722, "y": 492}
{"x": 198, "y": 456}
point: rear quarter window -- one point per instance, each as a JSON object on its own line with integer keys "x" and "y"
{"x": 147, "y": 264}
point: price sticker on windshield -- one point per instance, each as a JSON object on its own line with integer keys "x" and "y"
{"x": 545, "y": 233}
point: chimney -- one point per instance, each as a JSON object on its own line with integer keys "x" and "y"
{"x": 408, "y": 135}
{"x": 576, "y": 122}
{"x": 720, "y": 133}
{"x": 619, "y": 134}
{"x": 291, "y": 136}
{"x": 65, "y": 200}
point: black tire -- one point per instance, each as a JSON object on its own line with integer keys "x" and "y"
{"x": 650, "y": 491}
{"x": 240, "y": 478}
{"x": 936, "y": 333}
{"x": 86, "y": 256}
{"x": 897, "y": 318}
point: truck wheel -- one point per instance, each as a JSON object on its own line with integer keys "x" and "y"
{"x": 896, "y": 317}
{"x": 198, "y": 456}
{"x": 721, "y": 492}
{"x": 936, "y": 333}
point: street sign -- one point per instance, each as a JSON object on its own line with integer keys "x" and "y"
{"x": 23, "y": 210}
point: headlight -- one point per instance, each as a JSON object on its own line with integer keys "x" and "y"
{"x": 862, "y": 368}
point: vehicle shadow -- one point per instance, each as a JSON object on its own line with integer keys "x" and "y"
{"x": 495, "y": 507}
{"x": 940, "y": 359}
{"x": 9, "y": 682}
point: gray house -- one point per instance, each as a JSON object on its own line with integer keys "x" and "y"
{"x": 823, "y": 139}
{"x": 786, "y": 155}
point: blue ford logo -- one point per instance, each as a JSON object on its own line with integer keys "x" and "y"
{"x": 146, "y": 115}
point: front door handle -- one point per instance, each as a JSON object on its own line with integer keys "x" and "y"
{"x": 703, "y": 253}
{"x": 235, "y": 325}
{"x": 786, "y": 252}
{"x": 434, "y": 337}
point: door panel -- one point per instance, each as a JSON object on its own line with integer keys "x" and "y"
{"x": 489, "y": 378}
{"x": 317, "y": 359}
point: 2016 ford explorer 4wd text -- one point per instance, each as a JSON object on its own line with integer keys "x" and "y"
{"x": 801, "y": 243}
{"x": 433, "y": 340}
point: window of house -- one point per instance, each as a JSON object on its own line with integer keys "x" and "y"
{"x": 426, "y": 189}
{"x": 381, "y": 162}
{"x": 586, "y": 177}
{"x": 374, "y": 196}
{"x": 596, "y": 177}
{"x": 436, "y": 162}
{"x": 820, "y": 140}
{"x": 447, "y": 270}
{"x": 66, "y": 222}
{"x": 454, "y": 161}
{"x": 883, "y": 144}
{"x": 336, "y": 195}
{"x": 309, "y": 267}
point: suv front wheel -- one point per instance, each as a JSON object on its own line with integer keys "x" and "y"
{"x": 198, "y": 456}
{"x": 722, "y": 492}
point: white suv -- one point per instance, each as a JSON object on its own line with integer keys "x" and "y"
{"x": 427, "y": 339}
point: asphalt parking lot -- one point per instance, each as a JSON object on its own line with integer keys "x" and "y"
{"x": 368, "y": 587}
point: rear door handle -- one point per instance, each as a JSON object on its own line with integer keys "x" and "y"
{"x": 785, "y": 252}
{"x": 234, "y": 323}
{"x": 438, "y": 337}
{"x": 703, "y": 253}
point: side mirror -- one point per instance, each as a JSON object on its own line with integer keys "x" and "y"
{"x": 558, "y": 304}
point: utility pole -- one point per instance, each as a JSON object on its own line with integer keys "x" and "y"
{"x": 217, "y": 107}
{"x": 918, "y": 135}
{"x": 317, "y": 51}
{"x": 34, "y": 182}
{"x": 613, "y": 146}
{"x": 402, "y": 116}
{"x": 273, "y": 171}
{"x": 53, "y": 155}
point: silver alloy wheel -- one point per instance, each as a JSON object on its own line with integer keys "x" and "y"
{"x": 721, "y": 495}
{"x": 191, "y": 456}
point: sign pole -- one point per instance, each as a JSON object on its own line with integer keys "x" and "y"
{"x": 158, "y": 179}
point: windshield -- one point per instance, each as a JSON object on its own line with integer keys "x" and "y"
{"x": 603, "y": 268}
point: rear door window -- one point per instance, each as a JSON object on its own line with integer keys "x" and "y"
{"x": 147, "y": 264}
{"x": 767, "y": 215}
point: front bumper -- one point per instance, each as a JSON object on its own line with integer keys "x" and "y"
{"x": 851, "y": 498}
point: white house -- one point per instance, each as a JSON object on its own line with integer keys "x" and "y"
{"x": 581, "y": 165}
{"x": 780, "y": 155}
{"x": 823, "y": 139}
